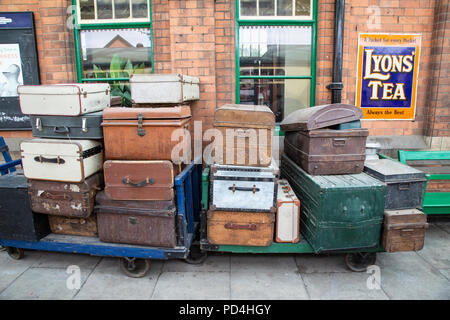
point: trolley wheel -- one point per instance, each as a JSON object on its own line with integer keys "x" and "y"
{"x": 359, "y": 261}
{"x": 134, "y": 267}
{"x": 196, "y": 255}
{"x": 15, "y": 253}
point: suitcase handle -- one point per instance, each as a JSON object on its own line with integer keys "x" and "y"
{"x": 61, "y": 130}
{"x": 339, "y": 142}
{"x": 42, "y": 159}
{"x": 244, "y": 133}
{"x": 48, "y": 195}
{"x": 143, "y": 183}
{"x": 140, "y": 130}
{"x": 405, "y": 186}
{"x": 234, "y": 189}
{"x": 235, "y": 226}
{"x": 75, "y": 221}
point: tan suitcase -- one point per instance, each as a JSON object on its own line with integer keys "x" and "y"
{"x": 74, "y": 226}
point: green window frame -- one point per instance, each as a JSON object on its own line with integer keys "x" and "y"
{"x": 278, "y": 21}
{"x": 79, "y": 27}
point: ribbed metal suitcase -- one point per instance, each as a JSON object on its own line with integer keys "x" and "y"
{"x": 405, "y": 185}
{"x": 337, "y": 212}
{"x": 139, "y": 180}
{"x": 65, "y": 199}
{"x": 61, "y": 160}
{"x": 150, "y": 223}
{"x": 163, "y": 88}
{"x": 288, "y": 214}
{"x": 69, "y": 99}
{"x": 244, "y": 188}
{"x": 17, "y": 221}
{"x": 87, "y": 126}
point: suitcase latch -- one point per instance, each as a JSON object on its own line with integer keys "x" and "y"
{"x": 39, "y": 124}
{"x": 84, "y": 125}
{"x": 140, "y": 130}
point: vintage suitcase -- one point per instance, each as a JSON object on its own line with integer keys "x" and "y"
{"x": 404, "y": 230}
{"x": 405, "y": 185}
{"x": 240, "y": 228}
{"x": 116, "y": 101}
{"x": 61, "y": 160}
{"x": 86, "y": 227}
{"x": 237, "y": 188}
{"x": 163, "y": 88}
{"x": 337, "y": 212}
{"x": 139, "y": 180}
{"x": 65, "y": 199}
{"x": 87, "y": 126}
{"x": 325, "y": 151}
{"x": 288, "y": 214}
{"x": 320, "y": 117}
{"x": 71, "y": 99}
{"x": 246, "y": 134}
{"x": 150, "y": 223}
{"x": 145, "y": 133}
{"x": 17, "y": 221}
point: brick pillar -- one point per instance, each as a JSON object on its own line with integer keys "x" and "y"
{"x": 161, "y": 36}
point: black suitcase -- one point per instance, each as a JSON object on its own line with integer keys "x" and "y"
{"x": 86, "y": 126}
{"x": 17, "y": 221}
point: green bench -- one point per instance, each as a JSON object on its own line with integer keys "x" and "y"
{"x": 436, "y": 165}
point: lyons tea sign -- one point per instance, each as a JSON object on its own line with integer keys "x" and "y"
{"x": 388, "y": 65}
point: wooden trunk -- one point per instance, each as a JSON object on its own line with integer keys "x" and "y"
{"x": 404, "y": 230}
{"x": 145, "y": 133}
{"x": 86, "y": 227}
{"x": 240, "y": 228}
{"x": 139, "y": 180}
{"x": 246, "y": 135}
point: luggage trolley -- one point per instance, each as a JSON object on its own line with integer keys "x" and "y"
{"x": 134, "y": 260}
{"x": 356, "y": 259}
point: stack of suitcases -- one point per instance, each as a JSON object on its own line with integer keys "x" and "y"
{"x": 63, "y": 163}
{"x": 245, "y": 181}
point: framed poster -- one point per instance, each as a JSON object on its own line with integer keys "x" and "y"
{"x": 18, "y": 65}
{"x": 387, "y": 73}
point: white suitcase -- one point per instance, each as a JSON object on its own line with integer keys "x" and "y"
{"x": 288, "y": 214}
{"x": 163, "y": 88}
{"x": 71, "y": 99}
{"x": 61, "y": 160}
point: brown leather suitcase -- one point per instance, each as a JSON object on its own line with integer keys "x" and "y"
{"x": 252, "y": 127}
{"x": 145, "y": 133}
{"x": 327, "y": 152}
{"x": 150, "y": 223}
{"x": 86, "y": 227}
{"x": 139, "y": 180}
{"x": 240, "y": 228}
{"x": 404, "y": 230}
{"x": 64, "y": 198}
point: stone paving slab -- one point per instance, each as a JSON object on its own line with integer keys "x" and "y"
{"x": 255, "y": 263}
{"x": 321, "y": 263}
{"x": 11, "y": 269}
{"x": 64, "y": 260}
{"x": 436, "y": 249}
{"x": 215, "y": 262}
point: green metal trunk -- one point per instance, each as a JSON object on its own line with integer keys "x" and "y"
{"x": 338, "y": 212}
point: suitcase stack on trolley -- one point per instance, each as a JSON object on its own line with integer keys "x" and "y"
{"x": 63, "y": 162}
{"x": 142, "y": 160}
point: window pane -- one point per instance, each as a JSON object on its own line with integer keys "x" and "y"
{"x": 104, "y": 9}
{"x": 275, "y": 50}
{"x": 115, "y": 53}
{"x": 284, "y": 7}
{"x": 122, "y": 9}
{"x": 266, "y": 7}
{"x": 248, "y": 7}
{"x": 87, "y": 9}
{"x": 302, "y": 7}
{"x": 140, "y": 9}
{"x": 283, "y": 96}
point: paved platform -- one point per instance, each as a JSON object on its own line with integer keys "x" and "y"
{"x": 410, "y": 275}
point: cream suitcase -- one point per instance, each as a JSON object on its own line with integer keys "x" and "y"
{"x": 163, "y": 88}
{"x": 61, "y": 160}
{"x": 71, "y": 99}
{"x": 288, "y": 214}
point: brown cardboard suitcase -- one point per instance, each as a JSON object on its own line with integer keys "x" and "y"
{"x": 67, "y": 199}
{"x": 252, "y": 127}
{"x": 144, "y": 133}
{"x": 139, "y": 180}
{"x": 86, "y": 227}
{"x": 240, "y": 228}
{"x": 327, "y": 152}
{"x": 404, "y": 230}
{"x": 150, "y": 223}
{"x": 320, "y": 117}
